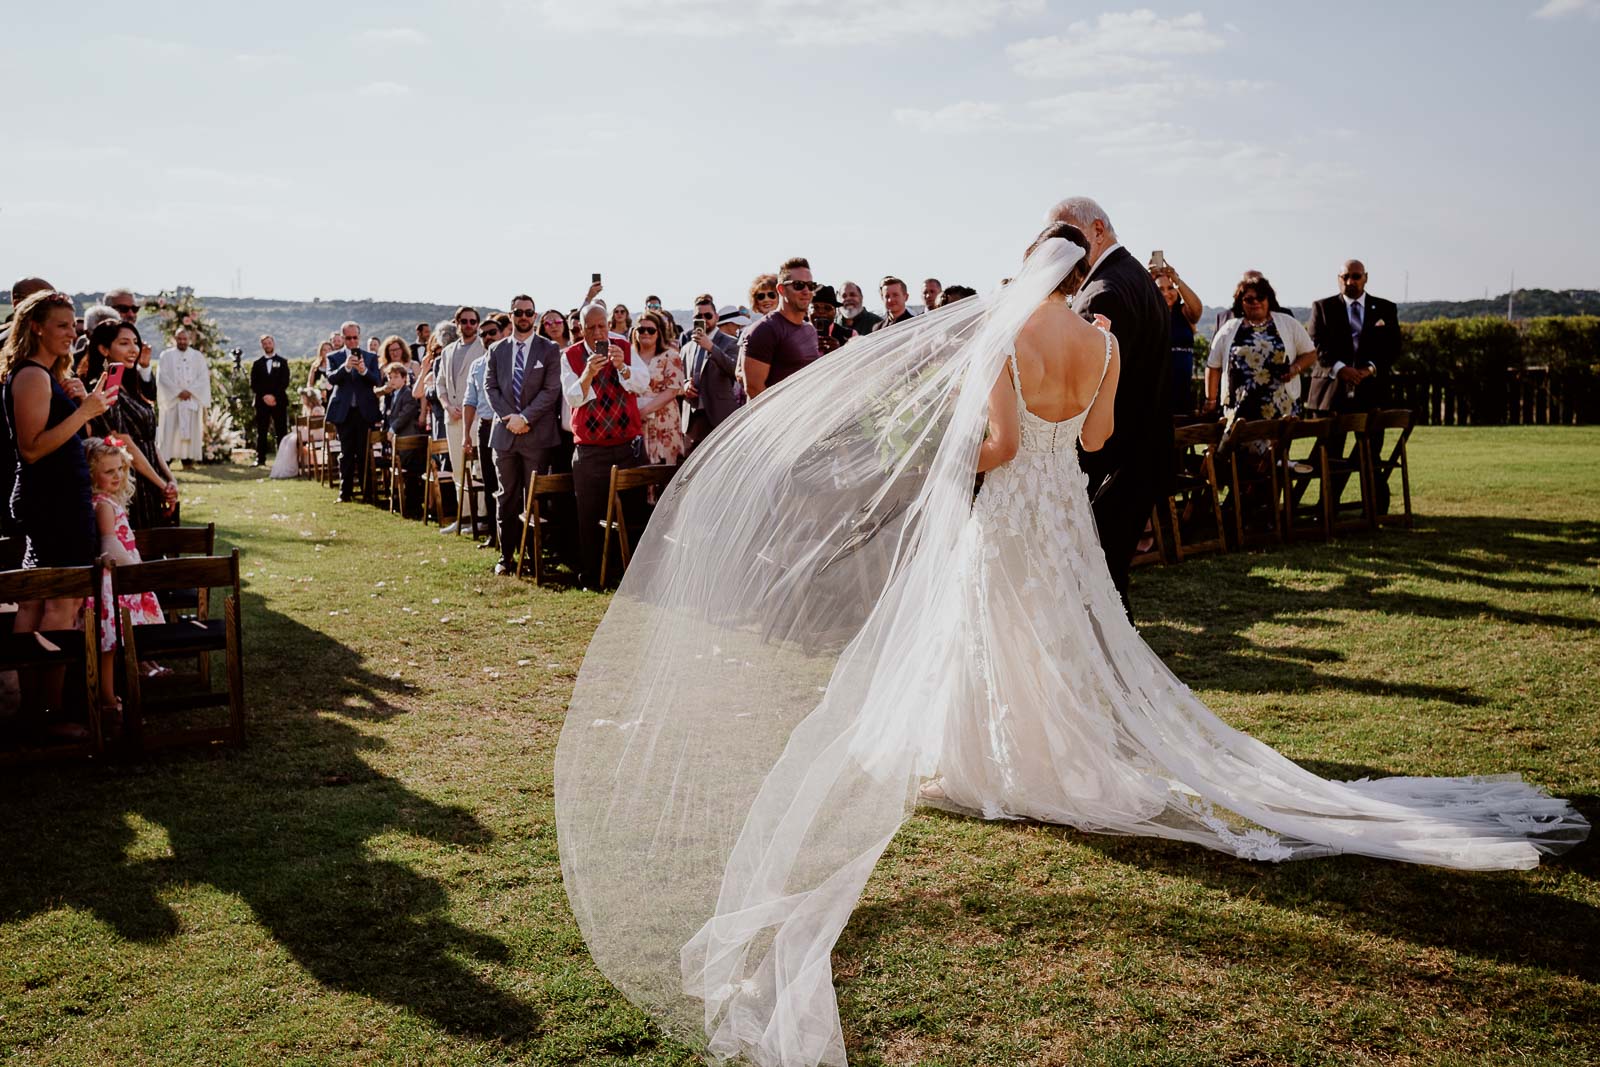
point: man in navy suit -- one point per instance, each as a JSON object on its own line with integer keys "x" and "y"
{"x": 353, "y": 406}
{"x": 522, "y": 378}
{"x": 1358, "y": 341}
{"x": 1132, "y": 471}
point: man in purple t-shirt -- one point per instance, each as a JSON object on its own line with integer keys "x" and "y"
{"x": 782, "y": 342}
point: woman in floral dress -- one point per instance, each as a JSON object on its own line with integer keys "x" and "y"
{"x": 663, "y": 426}
{"x": 1257, "y": 357}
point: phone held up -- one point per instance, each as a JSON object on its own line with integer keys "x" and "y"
{"x": 1158, "y": 261}
{"x": 595, "y": 277}
{"x": 113, "y": 382}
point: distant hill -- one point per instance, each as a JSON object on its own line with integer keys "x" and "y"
{"x": 300, "y": 325}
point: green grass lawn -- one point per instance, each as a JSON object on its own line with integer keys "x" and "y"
{"x": 373, "y": 877}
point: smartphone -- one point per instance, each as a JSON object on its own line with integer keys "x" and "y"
{"x": 113, "y": 382}
{"x": 604, "y": 347}
{"x": 595, "y": 277}
{"x": 1158, "y": 260}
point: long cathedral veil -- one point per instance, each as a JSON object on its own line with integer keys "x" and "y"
{"x": 747, "y": 728}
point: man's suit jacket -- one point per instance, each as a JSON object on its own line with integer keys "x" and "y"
{"x": 269, "y": 376}
{"x": 712, "y": 372}
{"x": 1379, "y": 349}
{"x": 539, "y": 401}
{"x": 1121, "y": 289}
{"x": 352, "y": 393}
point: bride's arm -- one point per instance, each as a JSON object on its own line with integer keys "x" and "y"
{"x": 1005, "y": 434}
{"x": 1102, "y": 413}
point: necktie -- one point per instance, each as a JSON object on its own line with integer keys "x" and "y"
{"x": 1355, "y": 325}
{"x": 516, "y": 374}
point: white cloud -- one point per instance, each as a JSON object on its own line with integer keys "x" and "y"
{"x": 1117, "y": 43}
{"x": 968, "y": 116}
{"x": 1560, "y": 9}
{"x": 383, "y": 89}
{"x": 1112, "y": 106}
{"x": 406, "y": 35}
{"x": 795, "y": 22}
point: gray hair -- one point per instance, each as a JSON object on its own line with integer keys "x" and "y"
{"x": 447, "y": 332}
{"x": 98, "y": 313}
{"x": 594, "y": 305}
{"x": 347, "y": 323}
{"x": 1081, "y": 212}
{"x": 129, "y": 293}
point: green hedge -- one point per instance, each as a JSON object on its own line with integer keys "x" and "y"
{"x": 1484, "y": 360}
{"x": 232, "y": 388}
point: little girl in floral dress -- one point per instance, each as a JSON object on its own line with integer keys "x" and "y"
{"x": 111, "y": 476}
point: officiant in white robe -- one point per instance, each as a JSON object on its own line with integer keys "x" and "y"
{"x": 183, "y": 386}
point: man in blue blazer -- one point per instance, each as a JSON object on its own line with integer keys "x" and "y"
{"x": 523, "y": 381}
{"x": 353, "y": 406}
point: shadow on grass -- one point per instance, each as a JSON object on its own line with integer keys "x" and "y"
{"x": 1375, "y": 575}
{"x": 284, "y": 824}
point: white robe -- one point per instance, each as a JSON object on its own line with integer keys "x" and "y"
{"x": 180, "y": 429}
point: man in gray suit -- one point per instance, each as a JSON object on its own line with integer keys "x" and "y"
{"x": 523, "y": 381}
{"x": 710, "y": 361}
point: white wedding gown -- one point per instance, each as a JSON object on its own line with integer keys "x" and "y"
{"x": 822, "y": 628}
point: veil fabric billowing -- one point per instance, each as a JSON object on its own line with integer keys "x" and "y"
{"x": 747, "y": 728}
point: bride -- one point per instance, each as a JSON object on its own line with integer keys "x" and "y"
{"x": 822, "y": 628}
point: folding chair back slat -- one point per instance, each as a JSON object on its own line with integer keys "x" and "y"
{"x": 539, "y": 486}
{"x": 624, "y": 479}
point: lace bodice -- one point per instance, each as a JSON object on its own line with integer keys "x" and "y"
{"x": 1042, "y": 435}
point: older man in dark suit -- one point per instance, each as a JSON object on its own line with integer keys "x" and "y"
{"x": 353, "y": 406}
{"x": 1131, "y": 472}
{"x": 710, "y": 363}
{"x": 1358, "y": 341}
{"x": 522, "y": 378}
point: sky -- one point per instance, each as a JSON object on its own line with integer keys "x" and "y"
{"x": 465, "y": 152}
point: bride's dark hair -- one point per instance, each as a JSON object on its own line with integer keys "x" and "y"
{"x": 1069, "y": 232}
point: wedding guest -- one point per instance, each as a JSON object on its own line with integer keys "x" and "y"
{"x": 575, "y": 323}
{"x": 830, "y": 334}
{"x": 111, "y": 480}
{"x": 733, "y": 321}
{"x": 183, "y": 379}
{"x": 782, "y": 342}
{"x": 269, "y": 383}
{"x": 710, "y": 363}
{"x": 131, "y": 419}
{"x": 763, "y": 295}
{"x": 1358, "y": 341}
{"x": 853, "y": 310}
{"x": 372, "y": 344}
{"x": 602, "y": 382}
{"x": 893, "y": 292}
{"x": 45, "y": 416}
{"x": 450, "y": 378}
{"x": 653, "y": 303}
{"x": 126, "y": 304}
{"x": 1185, "y": 310}
{"x": 419, "y": 348}
{"x": 1133, "y": 469}
{"x": 401, "y": 417}
{"x": 352, "y": 407}
{"x": 553, "y": 328}
{"x": 931, "y": 288}
{"x": 951, "y": 293}
{"x": 395, "y": 350}
{"x": 319, "y": 366}
{"x": 522, "y": 384}
{"x": 1257, "y": 357}
{"x": 621, "y": 320}
{"x": 20, "y": 291}
{"x": 659, "y": 414}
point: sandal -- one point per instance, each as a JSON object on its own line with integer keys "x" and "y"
{"x": 155, "y": 670}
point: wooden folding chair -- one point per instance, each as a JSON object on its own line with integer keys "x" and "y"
{"x": 75, "y": 650}
{"x": 434, "y": 478}
{"x": 374, "y": 479}
{"x": 200, "y": 635}
{"x": 302, "y": 446}
{"x": 171, "y": 542}
{"x": 624, "y": 479}
{"x": 1299, "y": 474}
{"x": 328, "y": 456}
{"x": 1196, "y": 486}
{"x": 540, "y": 485}
{"x": 1252, "y": 476}
{"x": 1392, "y": 419}
{"x": 1157, "y": 552}
{"x": 1351, "y": 427}
{"x": 401, "y": 451}
{"x": 467, "y": 490}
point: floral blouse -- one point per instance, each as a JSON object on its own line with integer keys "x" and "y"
{"x": 663, "y": 427}
{"x": 1257, "y": 362}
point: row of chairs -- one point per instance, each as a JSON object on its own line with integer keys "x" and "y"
{"x": 181, "y": 569}
{"x": 1249, "y": 482}
{"x": 384, "y": 484}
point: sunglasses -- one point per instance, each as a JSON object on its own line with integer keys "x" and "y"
{"x": 125, "y": 307}
{"x": 1350, "y": 277}
{"x": 804, "y": 287}
{"x": 705, "y": 318}
{"x": 521, "y": 313}
{"x": 466, "y": 322}
{"x": 766, "y": 294}
{"x": 654, "y": 305}
{"x": 645, "y": 331}
{"x": 1251, "y": 298}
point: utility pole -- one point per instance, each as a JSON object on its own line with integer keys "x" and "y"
{"x": 1511, "y": 296}
{"x": 1406, "y": 298}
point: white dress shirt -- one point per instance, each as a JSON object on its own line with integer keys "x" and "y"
{"x": 577, "y": 394}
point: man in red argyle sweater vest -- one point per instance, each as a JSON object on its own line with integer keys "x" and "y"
{"x": 602, "y": 380}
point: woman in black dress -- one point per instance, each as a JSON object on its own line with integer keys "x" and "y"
{"x": 45, "y": 416}
{"x": 155, "y": 500}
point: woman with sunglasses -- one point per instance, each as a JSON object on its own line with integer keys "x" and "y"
{"x": 658, "y": 409}
{"x": 621, "y": 320}
{"x": 763, "y": 295}
{"x": 554, "y": 328}
{"x": 1257, "y": 357}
